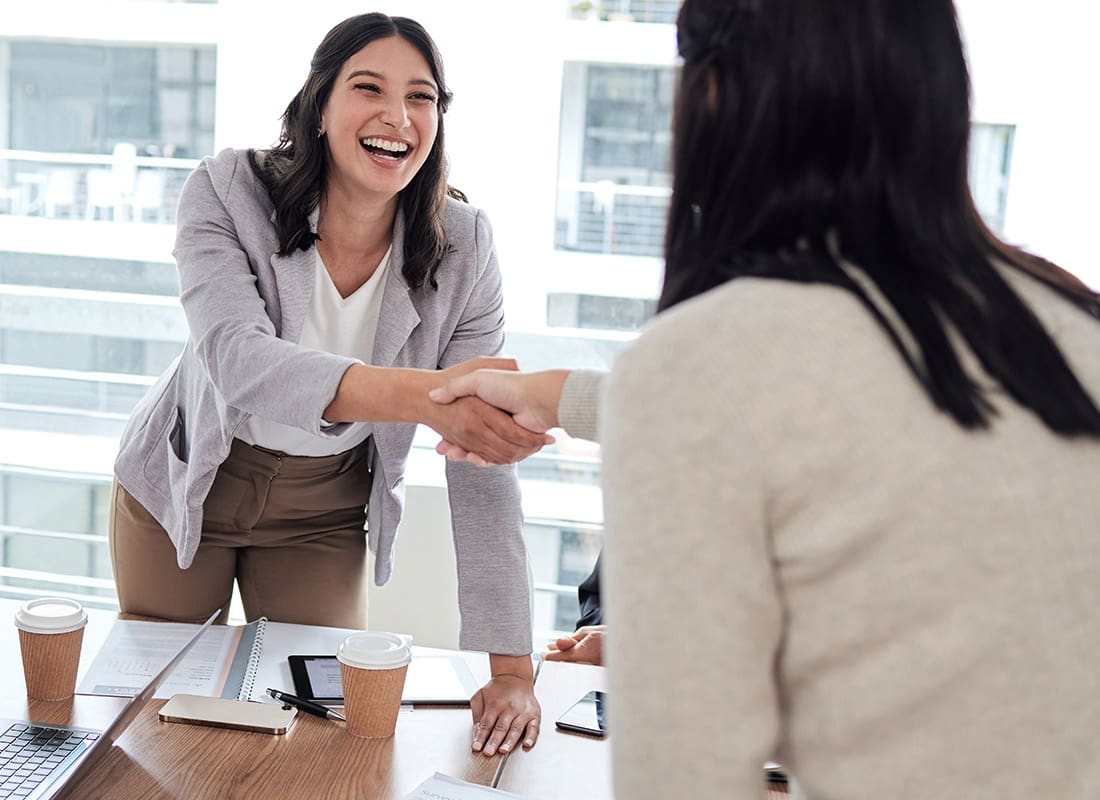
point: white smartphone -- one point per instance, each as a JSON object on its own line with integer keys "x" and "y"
{"x": 221, "y": 712}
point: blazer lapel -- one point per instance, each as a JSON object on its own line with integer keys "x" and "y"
{"x": 397, "y": 318}
{"x": 294, "y": 283}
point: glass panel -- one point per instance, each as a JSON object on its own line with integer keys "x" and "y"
{"x": 77, "y": 272}
{"x": 990, "y": 160}
{"x": 51, "y": 528}
{"x": 88, "y": 98}
{"x": 613, "y": 167}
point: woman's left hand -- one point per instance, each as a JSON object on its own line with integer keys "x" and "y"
{"x": 504, "y": 710}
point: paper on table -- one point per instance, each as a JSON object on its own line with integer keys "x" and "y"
{"x": 133, "y": 653}
{"x": 444, "y": 787}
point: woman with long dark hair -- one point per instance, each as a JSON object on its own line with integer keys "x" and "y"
{"x": 329, "y": 282}
{"x": 850, "y": 471}
{"x": 877, "y": 435}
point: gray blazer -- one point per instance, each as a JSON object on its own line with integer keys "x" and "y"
{"x": 245, "y": 309}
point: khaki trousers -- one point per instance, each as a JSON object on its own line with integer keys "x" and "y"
{"x": 288, "y": 529}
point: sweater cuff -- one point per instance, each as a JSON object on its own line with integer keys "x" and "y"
{"x": 579, "y": 405}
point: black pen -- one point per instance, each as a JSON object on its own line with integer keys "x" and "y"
{"x": 306, "y": 705}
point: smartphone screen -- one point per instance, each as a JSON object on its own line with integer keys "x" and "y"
{"x": 587, "y": 715}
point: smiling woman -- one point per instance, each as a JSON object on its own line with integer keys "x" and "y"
{"x": 329, "y": 283}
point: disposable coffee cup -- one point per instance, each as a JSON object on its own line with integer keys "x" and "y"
{"x": 372, "y": 671}
{"x": 51, "y": 630}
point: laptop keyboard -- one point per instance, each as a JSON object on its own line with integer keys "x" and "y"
{"x": 31, "y": 755}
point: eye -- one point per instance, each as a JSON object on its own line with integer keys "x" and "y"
{"x": 423, "y": 97}
{"x": 370, "y": 87}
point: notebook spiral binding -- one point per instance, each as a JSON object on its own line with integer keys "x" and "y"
{"x": 255, "y": 652}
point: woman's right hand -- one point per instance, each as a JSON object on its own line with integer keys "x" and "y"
{"x": 532, "y": 398}
{"x": 487, "y": 434}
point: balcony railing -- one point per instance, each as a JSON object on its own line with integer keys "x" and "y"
{"x": 662, "y": 11}
{"x": 607, "y": 217}
{"x": 121, "y": 186}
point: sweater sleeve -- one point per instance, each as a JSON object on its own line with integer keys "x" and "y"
{"x": 579, "y": 406}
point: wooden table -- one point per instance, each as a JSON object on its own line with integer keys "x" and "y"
{"x": 315, "y": 759}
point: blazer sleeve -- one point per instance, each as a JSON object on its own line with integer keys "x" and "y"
{"x": 232, "y": 335}
{"x": 494, "y": 595}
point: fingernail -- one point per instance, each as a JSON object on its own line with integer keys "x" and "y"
{"x": 504, "y": 748}
{"x": 529, "y": 743}
{"x": 435, "y": 394}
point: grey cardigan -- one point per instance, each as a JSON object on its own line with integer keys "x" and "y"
{"x": 245, "y": 308}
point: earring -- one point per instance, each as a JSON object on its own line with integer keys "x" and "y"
{"x": 320, "y": 132}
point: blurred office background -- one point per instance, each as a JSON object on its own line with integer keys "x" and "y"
{"x": 559, "y": 130}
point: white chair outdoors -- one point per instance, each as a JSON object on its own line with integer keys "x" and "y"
{"x": 148, "y": 195}
{"x": 101, "y": 194}
{"x": 111, "y": 188}
{"x": 60, "y": 191}
{"x": 9, "y": 199}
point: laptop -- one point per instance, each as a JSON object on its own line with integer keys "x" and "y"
{"x": 41, "y": 761}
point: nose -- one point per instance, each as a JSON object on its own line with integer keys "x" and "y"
{"x": 395, "y": 114}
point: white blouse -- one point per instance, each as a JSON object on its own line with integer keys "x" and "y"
{"x": 342, "y": 325}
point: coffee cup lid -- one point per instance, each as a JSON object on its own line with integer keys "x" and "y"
{"x": 51, "y": 615}
{"x": 375, "y": 650}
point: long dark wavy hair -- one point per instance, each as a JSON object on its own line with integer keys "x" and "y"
{"x": 295, "y": 169}
{"x": 812, "y": 136}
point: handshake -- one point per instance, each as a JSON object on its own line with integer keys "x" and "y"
{"x": 506, "y": 415}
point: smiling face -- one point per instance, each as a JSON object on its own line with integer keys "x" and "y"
{"x": 380, "y": 121}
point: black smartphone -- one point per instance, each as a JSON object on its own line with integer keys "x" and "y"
{"x": 587, "y": 715}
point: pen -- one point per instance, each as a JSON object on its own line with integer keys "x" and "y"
{"x": 306, "y": 705}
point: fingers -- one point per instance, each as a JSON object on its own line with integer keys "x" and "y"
{"x": 490, "y": 362}
{"x": 581, "y": 648}
{"x": 496, "y": 437}
{"x": 506, "y": 714}
{"x": 483, "y": 362}
{"x": 479, "y": 433}
{"x": 458, "y": 387}
{"x": 506, "y": 732}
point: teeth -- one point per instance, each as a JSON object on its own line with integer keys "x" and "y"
{"x": 384, "y": 144}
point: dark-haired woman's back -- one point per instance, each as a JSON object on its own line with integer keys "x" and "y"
{"x": 890, "y": 604}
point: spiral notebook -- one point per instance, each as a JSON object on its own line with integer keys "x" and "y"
{"x": 234, "y": 661}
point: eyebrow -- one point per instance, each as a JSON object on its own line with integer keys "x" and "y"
{"x": 378, "y": 75}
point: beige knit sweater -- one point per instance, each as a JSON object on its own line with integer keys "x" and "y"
{"x": 807, "y": 562}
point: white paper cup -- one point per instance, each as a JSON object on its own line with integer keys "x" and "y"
{"x": 51, "y": 631}
{"x": 372, "y": 671}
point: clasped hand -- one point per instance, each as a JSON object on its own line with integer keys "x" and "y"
{"x": 474, "y": 426}
{"x": 531, "y": 398}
